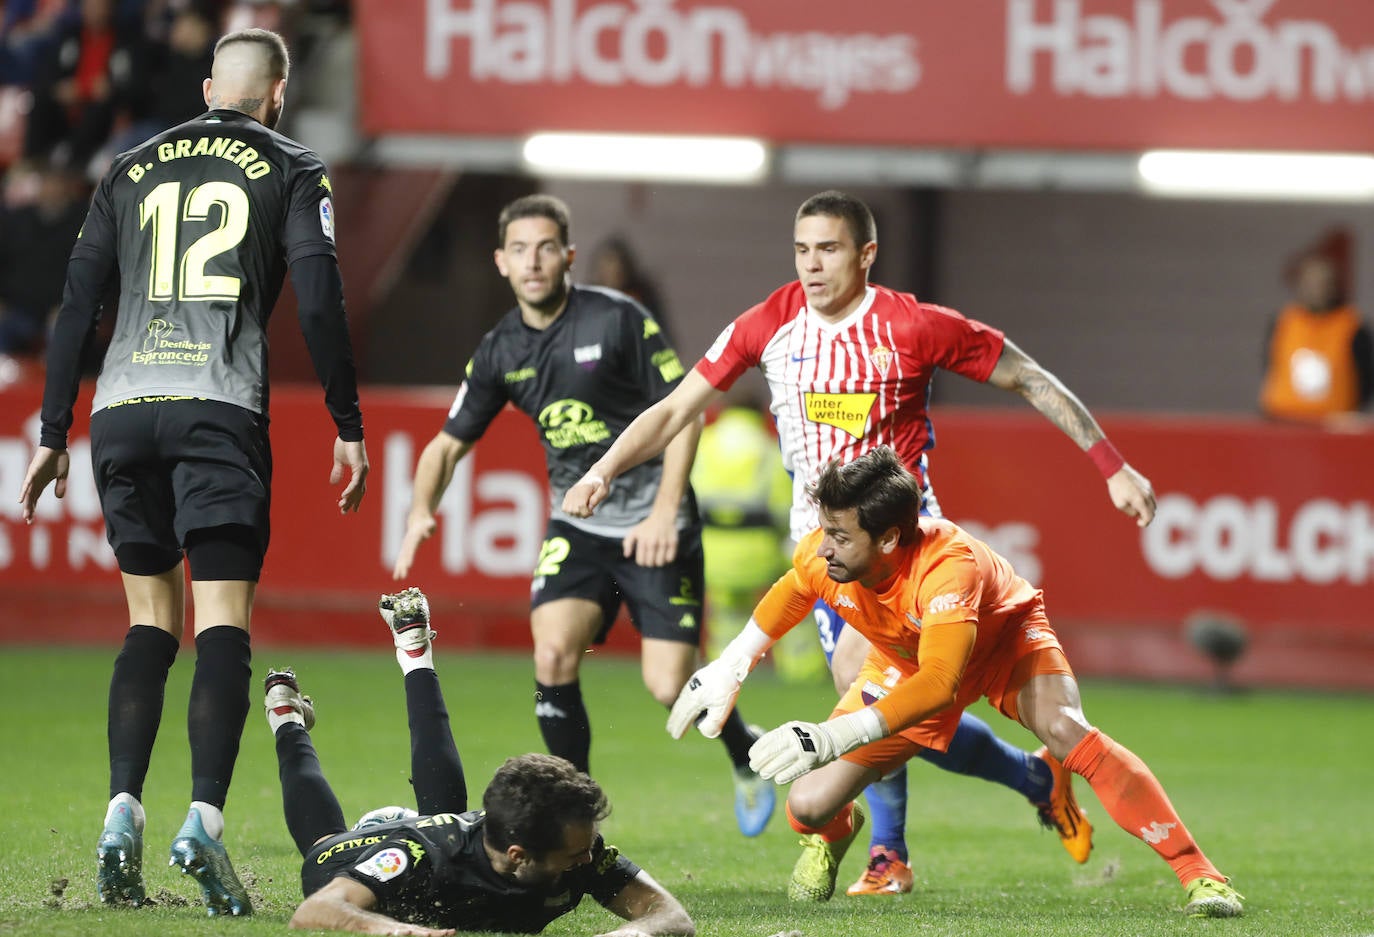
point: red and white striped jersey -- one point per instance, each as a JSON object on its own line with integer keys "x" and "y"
{"x": 840, "y": 389}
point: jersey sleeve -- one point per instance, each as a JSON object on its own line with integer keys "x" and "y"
{"x": 735, "y": 350}
{"x": 786, "y": 603}
{"x": 652, "y": 360}
{"x": 90, "y": 275}
{"x": 959, "y": 344}
{"x": 309, "y": 227}
{"x": 608, "y": 873}
{"x": 480, "y": 397}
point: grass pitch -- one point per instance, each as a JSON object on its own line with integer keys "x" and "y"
{"x": 1275, "y": 787}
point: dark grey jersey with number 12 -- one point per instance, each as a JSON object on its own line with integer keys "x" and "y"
{"x": 582, "y": 380}
{"x": 204, "y": 220}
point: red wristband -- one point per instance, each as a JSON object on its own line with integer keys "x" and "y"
{"x": 1105, "y": 457}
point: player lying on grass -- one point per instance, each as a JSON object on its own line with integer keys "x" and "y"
{"x": 949, "y": 621}
{"x": 523, "y": 860}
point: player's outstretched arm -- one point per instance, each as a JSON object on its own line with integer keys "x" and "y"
{"x": 653, "y": 541}
{"x": 343, "y": 905}
{"x": 350, "y": 457}
{"x": 649, "y": 910}
{"x": 433, "y": 473}
{"x": 1129, "y": 490}
{"x": 646, "y": 437}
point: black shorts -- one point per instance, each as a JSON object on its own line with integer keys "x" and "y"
{"x": 664, "y": 601}
{"x": 167, "y": 467}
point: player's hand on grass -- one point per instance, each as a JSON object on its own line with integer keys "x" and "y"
{"x": 653, "y": 541}
{"x": 1131, "y": 493}
{"x": 350, "y": 456}
{"x": 707, "y": 698}
{"x": 47, "y": 466}
{"x": 583, "y": 497}
{"x": 419, "y": 528}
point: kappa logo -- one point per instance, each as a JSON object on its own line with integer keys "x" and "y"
{"x": 1034, "y": 634}
{"x": 544, "y": 710}
{"x": 845, "y": 601}
{"x": 944, "y": 603}
{"x": 1156, "y": 832}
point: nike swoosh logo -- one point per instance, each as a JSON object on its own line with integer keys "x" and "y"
{"x": 804, "y": 357}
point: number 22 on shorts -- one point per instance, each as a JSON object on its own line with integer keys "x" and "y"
{"x": 551, "y": 556}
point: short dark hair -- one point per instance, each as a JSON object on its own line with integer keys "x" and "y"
{"x": 535, "y": 206}
{"x": 278, "y": 59}
{"x": 533, "y": 797}
{"x": 853, "y": 212}
{"x": 878, "y": 486}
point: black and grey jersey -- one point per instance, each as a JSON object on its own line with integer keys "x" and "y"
{"x": 582, "y": 380}
{"x": 435, "y": 871}
{"x": 202, "y": 221}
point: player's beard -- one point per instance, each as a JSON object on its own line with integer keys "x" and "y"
{"x": 273, "y": 115}
{"x": 557, "y": 296}
{"x": 838, "y": 572}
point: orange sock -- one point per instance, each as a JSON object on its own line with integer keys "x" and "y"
{"x": 1133, "y": 796}
{"x": 840, "y": 826}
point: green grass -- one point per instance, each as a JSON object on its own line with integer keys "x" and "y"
{"x": 1275, "y": 786}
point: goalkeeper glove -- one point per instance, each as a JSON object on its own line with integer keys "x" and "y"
{"x": 793, "y": 749}
{"x": 709, "y": 694}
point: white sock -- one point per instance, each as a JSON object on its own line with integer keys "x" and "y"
{"x": 276, "y": 720}
{"x": 211, "y": 818}
{"x": 126, "y": 799}
{"x": 408, "y": 663}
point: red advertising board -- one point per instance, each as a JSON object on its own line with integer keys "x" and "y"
{"x": 1270, "y": 526}
{"x": 1113, "y": 74}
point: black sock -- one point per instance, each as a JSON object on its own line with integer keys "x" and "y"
{"x": 219, "y": 706}
{"x": 436, "y": 771}
{"x": 737, "y": 739}
{"x": 563, "y": 722}
{"x": 136, "y": 690}
{"x": 312, "y": 810}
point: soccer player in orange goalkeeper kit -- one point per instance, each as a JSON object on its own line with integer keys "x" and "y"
{"x": 949, "y": 621}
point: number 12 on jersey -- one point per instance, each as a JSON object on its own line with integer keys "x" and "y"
{"x": 160, "y": 209}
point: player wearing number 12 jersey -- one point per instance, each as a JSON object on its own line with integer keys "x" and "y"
{"x": 197, "y": 227}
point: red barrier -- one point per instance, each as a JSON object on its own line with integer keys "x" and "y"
{"x": 1269, "y": 74}
{"x": 1268, "y": 525}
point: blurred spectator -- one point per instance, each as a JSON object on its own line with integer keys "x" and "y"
{"x": 744, "y": 495}
{"x": 615, "y": 265}
{"x": 36, "y": 238}
{"x": 26, "y": 30}
{"x": 1319, "y": 358}
{"x": 87, "y": 79}
{"x": 177, "y": 64}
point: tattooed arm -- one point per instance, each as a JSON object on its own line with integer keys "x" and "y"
{"x": 1016, "y": 371}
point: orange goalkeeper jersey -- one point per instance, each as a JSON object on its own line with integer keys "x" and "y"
{"x": 949, "y": 586}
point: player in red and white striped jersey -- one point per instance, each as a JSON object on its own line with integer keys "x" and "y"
{"x": 849, "y": 365}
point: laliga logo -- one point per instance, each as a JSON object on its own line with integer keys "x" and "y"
{"x": 1234, "y": 54}
{"x": 1226, "y": 537}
